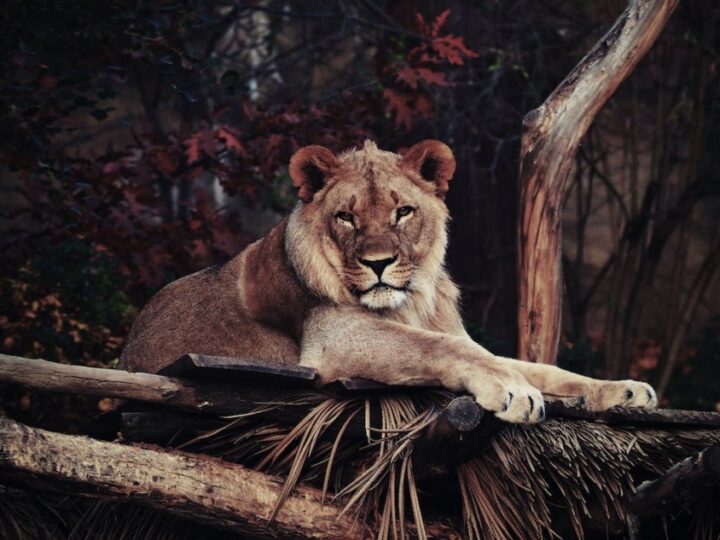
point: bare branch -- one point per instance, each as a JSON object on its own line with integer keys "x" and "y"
{"x": 551, "y": 134}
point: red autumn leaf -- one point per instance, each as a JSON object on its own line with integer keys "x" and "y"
{"x": 422, "y": 25}
{"x": 432, "y": 29}
{"x": 432, "y": 77}
{"x": 232, "y": 142}
{"x": 452, "y": 49}
{"x": 192, "y": 152}
{"x": 199, "y": 143}
{"x": 423, "y": 106}
{"x": 439, "y": 22}
{"x": 400, "y": 104}
{"x": 409, "y": 76}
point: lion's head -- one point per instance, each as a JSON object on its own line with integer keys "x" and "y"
{"x": 371, "y": 225}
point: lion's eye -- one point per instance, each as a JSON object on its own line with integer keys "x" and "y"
{"x": 345, "y": 216}
{"x": 404, "y": 211}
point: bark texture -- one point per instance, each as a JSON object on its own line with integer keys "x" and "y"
{"x": 551, "y": 134}
{"x": 188, "y": 395}
{"x": 198, "y": 487}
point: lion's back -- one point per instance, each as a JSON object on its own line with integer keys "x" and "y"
{"x": 202, "y": 313}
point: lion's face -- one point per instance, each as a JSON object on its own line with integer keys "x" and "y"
{"x": 377, "y": 221}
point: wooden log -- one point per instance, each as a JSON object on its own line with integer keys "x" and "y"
{"x": 196, "y": 396}
{"x": 460, "y": 431}
{"x": 551, "y": 134}
{"x": 200, "y": 488}
{"x": 211, "y": 397}
{"x": 620, "y": 416}
{"x": 680, "y": 487}
{"x": 191, "y": 486}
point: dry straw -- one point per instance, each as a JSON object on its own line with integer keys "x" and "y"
{"x": 527, "y": 476}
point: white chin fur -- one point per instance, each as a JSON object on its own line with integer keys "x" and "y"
{"x": 383, "y": 298}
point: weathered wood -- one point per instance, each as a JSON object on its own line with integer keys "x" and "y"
{"x": 191, "y": 486}
{"x": 200, "y": 488}
{"x": 221, "y": 399}
{"x": 198, "y": 396}
{"x": 551, "y": 134}
{"x": 619, "y": 416}
{"x": 680, "y": 487}
{"x": 351, "y": 386}
{"x": 240, "y": 371}
{"x": 460, "y": 431}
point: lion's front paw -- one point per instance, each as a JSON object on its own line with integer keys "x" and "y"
{"x": 609, "y": 394}
{"x": 511, "y": 398}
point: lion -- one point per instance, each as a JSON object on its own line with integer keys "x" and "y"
{"x": 353, "y": 284}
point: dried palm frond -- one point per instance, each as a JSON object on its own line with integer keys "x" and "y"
{"x": 586, "y": 467}
{"x": 26, "y": 515}
{"x": 32, "y": 516}
{"x": 527, "y": 477}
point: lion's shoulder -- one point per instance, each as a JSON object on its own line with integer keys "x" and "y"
{"x": 270, "y": 288}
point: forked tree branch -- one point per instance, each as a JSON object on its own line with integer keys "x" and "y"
{"x": 551, "y": 134}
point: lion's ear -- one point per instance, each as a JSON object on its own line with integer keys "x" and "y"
{"x": 434, "y": 162}
{"x": 309, "y": 169}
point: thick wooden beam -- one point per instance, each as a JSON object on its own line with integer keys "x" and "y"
{"x": 551, "y": 134}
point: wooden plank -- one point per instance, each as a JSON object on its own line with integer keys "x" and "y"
{"x": 240, "y": 371}
{"x": 247, "y": 371}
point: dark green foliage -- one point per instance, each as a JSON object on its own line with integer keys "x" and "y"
{"x": 85, "y": 279}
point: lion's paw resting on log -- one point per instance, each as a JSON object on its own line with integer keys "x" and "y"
{"x": 352, "y": 283}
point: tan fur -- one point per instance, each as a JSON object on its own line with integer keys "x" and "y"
{"x": 353, "y": 284}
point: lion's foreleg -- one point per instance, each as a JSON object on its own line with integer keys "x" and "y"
{"x": 598, "y": 394}
{"x": 341, "y": 342}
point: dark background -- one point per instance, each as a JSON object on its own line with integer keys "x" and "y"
{"x": 141, "y": 141}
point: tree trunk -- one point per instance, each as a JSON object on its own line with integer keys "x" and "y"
{"x": 551, "y": 134}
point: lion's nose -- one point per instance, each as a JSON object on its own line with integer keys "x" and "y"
{"x": 378, "y": 265}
